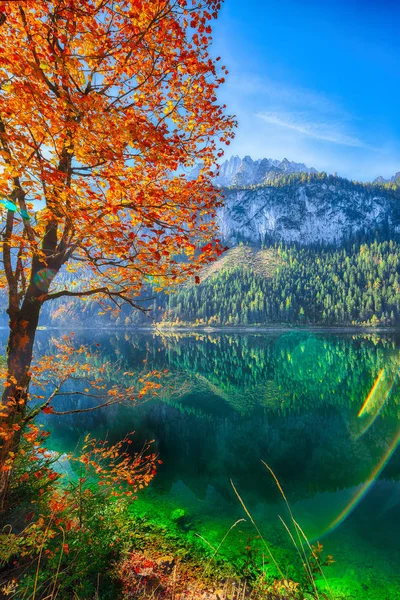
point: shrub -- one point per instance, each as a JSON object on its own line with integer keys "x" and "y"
{"x": 64, "y": 536}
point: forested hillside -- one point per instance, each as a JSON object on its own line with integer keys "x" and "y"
{"x": 358, "y": 284}
{"x": 306, "y": 248}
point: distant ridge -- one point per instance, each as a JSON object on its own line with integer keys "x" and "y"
{"x": 382, "y": 180}
{"x": 238, "y": 171}
{"x": 246, "y": 171}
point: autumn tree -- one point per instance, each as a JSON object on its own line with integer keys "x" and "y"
{"x": 104, "y": 105}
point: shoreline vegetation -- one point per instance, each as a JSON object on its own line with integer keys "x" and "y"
{"x": 68, "y": 537}
{"x": 228, "y": 329}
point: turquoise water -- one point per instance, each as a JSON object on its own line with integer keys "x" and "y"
{"x": 322, "y": 409}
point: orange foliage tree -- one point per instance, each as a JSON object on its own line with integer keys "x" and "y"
{"x": 103, "y": 105}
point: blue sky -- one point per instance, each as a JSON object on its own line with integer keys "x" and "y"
{"x": 315, "y": 82}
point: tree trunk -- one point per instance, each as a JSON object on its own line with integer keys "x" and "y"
{"x": 23, "y": 328}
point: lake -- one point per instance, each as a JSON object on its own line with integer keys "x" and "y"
{"x": 320, "y": 408}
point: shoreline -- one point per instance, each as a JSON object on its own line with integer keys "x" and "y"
{"x": 223, "y": 329}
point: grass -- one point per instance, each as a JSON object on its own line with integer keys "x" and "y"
{"x": 212, "y": 578}
{"x": 81, "y": 542}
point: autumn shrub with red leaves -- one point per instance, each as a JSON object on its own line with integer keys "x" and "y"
{"x": 64, "y": 535}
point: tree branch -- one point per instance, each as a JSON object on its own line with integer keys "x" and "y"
{"x": 82, "y": 410}
{"x": 101, "y": 290}
{"x": 38, "y": 409}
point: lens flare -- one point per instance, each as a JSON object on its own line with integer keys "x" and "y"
{"x": 370, "y": 410}
{"x": 43, "y": 279}
{"x": 371, "y": 394}
{"x": 8, "y": 204}
{"x": 376, "y": 400}
{"x": 366, "y": 485}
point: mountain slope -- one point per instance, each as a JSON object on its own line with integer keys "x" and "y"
{"x": 358, "y": 284}
{"x": 262, "y": 262}
{"x": 268, "y": 200}
{"x": 307, "y": 209}
{"x": 354, "y": 285}
{"x": 302, "y": 251}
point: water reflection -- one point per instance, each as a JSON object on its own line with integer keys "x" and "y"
{"x": 321, "y": 409}
{"x": 292, "y": 399}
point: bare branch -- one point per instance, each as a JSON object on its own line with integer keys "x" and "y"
{"x": 82, "y": 410}
{"x": 111, "y": 294}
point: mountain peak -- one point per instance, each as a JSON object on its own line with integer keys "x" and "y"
{"x": 393, "y": 179}
{"x": 242, "y": 172}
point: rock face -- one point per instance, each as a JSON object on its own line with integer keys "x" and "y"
{"x": 306, "y": 211}
{"x": 246, "y": 171}
{"x": 268, "y": 200}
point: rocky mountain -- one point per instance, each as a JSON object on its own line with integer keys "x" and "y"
{"x": 305, "y": 208}
{"x": 268, "y": 200}
{"x": 382, "y": 180}
{"x": 246, "y": 171}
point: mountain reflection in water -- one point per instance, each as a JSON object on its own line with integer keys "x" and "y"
{"x": 321, "y": 409}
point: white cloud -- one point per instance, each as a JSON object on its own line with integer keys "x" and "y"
{"x": 280, "y": 120}
{"x": 306, "y": 125}
{"x": 269, "y": 91}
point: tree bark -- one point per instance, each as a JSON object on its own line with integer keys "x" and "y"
{"x": 23, "y": 326}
